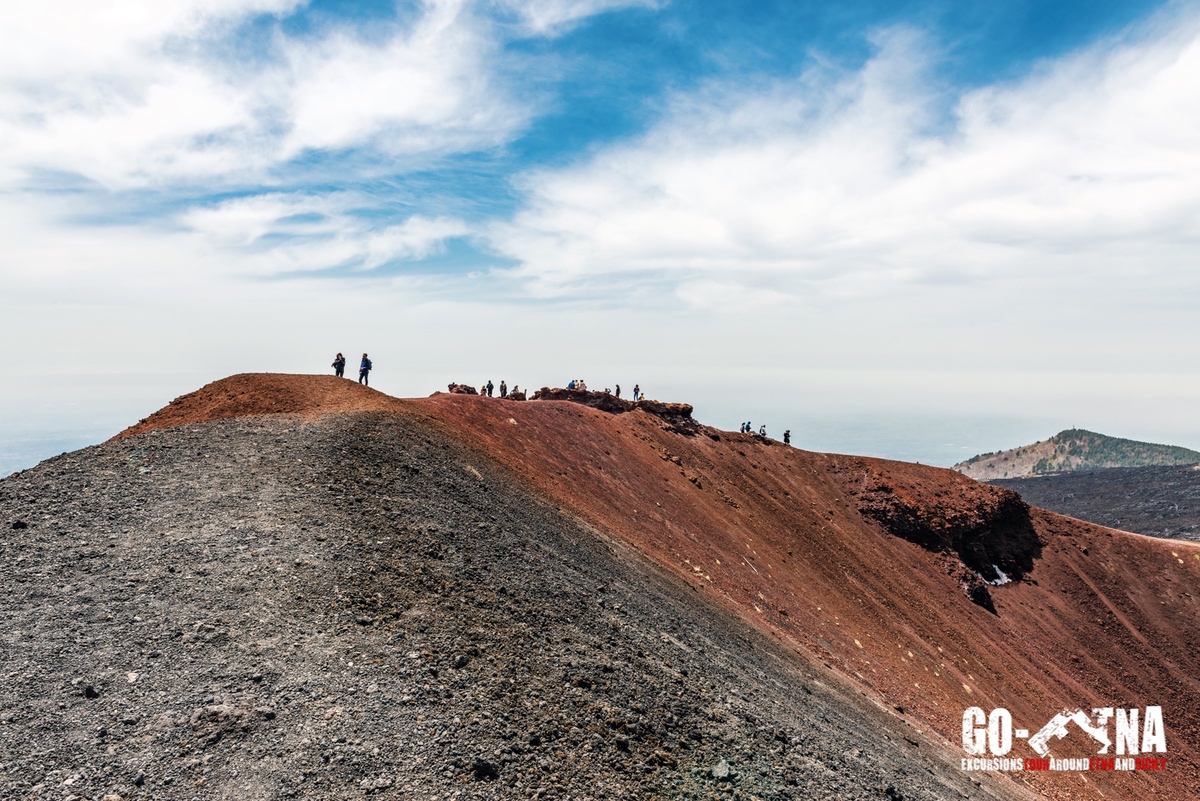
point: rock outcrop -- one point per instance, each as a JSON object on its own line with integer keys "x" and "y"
{"x": 677, "y": 415}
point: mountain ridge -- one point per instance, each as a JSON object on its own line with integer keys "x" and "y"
{"x": 1071, "y": 450}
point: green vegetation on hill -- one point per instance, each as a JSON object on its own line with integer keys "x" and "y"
{"x": 1074, "y": 449}
{"x": 1081, "y": 450}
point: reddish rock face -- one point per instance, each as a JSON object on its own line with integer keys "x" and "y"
{"x": 678, "y": 415}
{"x": 870, "y": 566}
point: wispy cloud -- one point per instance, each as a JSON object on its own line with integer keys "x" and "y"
{"x": 843, "y": 184}
{"x": 131, "y": 94}
{"x": 547, "y": 16}
{"x": 301, "y": 233}
{"x": 117, "y": 93}
{"x": 179, "y": 105}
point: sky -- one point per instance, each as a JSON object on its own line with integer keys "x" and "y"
{"x": 919, "y": 230}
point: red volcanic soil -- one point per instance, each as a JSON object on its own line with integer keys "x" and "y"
{"x": 249, "y": 394}
{"x": 860, "y": 563}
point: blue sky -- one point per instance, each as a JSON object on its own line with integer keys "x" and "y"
{"x": 837, "y": 218}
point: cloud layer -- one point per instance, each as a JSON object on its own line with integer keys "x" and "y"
{"x": 129, "y": 94}
{"x": 842, "y": 184}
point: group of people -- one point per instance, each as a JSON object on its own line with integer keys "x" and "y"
{"x": 488, "y": 388}
{"x": 762, "y": 432}
{"x": 364, "y": 368}
{"x": 364, "y": 373}
{"x": 581, "y": 385}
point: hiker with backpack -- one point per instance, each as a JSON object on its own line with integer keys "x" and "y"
{"x": 364, "y": 371}
{"x": 339, "y": 366}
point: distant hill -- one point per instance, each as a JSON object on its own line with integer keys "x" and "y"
{"x": 1074, "y": 449}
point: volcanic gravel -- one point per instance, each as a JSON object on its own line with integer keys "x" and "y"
{"x": 352, "y": 606}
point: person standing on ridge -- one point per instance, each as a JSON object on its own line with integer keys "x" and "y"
{"x": 364, "y": 371}
{"x": 618, "y": 392}
{"x": 787, "y": 437}
{"x": 503, "y": 389}
{"x": 637, "y": 393}
{"x": 490, "y": 387}
{"x": 339, "y": 366}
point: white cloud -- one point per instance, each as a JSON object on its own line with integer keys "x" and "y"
{"x": 46, "y": 42}
{"x": 427, "y": 90}
{"x": 548, "y": 16}
{"x": 132, "y": 94}
{"x": 852, "y": 186}
{"x": 244, "y": 221}
{"x": 273, "y": 234}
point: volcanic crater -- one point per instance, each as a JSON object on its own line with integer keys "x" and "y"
{"x": 295, "y": 586}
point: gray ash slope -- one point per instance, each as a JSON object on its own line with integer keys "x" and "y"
{"x": 265, "y": 608}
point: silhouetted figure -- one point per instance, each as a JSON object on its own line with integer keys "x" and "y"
{"x": 618, "y": 392}
{"x": 503, "y": 389}
{"x": 637, "y": 393}
{"x": 762, "y": 430}
{"x": 364, "y": 371}
{"x": 339, "y": 366}
{"x": 787, "y": 437}
{"x": 490, "y": 387}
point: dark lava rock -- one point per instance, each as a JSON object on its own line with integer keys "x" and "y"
{"x": 484, "y": 771}
{"x": 1156, "y": 501}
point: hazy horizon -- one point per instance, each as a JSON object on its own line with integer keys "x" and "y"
{"x": 63, "y": 424}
